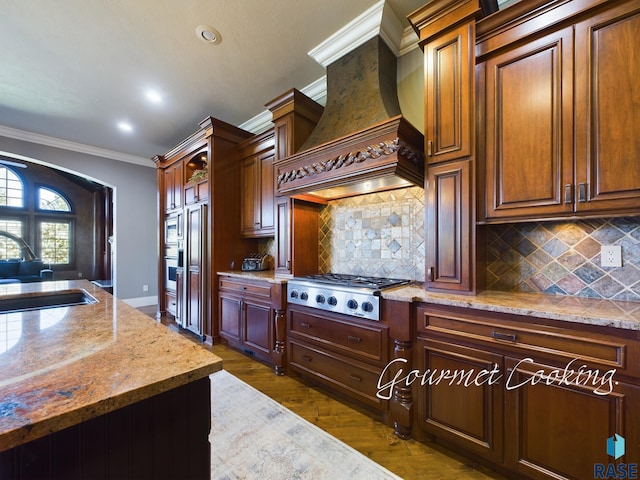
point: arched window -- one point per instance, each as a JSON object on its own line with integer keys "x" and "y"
{"x": 41, "y": 216}
{"x": 11, "y": 189}
{"x": 51, "y": 200}
{"x": 54, "y": 230}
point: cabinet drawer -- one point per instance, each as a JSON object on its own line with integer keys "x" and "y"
{"x": 528, "y": 338}
{"x": 368, "y": 342}
{"x": 357, "y": 379}
{"x": 171, "y": 303}
{"x": 257, "y": 289}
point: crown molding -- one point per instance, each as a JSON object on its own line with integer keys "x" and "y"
{"x": 73, "y": 146}
{"x": 316, "y": 91}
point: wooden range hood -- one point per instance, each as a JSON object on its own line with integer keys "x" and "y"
{"x": 361, "y": 144}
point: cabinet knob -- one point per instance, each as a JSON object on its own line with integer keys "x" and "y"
{"x": 430, "y": 274}
{"x": 429, "y": 148}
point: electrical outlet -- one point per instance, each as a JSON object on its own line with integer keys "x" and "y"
{"x": 611, "y": 256}
{"x": 145, "y": 288}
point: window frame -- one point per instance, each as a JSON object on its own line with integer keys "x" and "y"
{"x": 31, "y": 216}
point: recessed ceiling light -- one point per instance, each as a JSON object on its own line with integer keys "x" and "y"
{"x": 153, "y": 96}
{"x": 125, "y": 126}
{"x": 208, "y": 34}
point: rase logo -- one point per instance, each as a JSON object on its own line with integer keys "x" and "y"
{"x": 615, "y": 449}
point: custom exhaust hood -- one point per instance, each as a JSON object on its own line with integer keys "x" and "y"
{"x": 362, "y": 143}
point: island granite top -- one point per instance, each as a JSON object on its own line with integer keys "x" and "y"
{"x": 65, "y": 365}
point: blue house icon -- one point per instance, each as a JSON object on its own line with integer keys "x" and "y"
{"x": 615, "y": 446}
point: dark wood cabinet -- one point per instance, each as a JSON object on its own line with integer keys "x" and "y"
{"x": 251, "y": 317}
{"x": 607, "y": 110}
{"x": 294, "y": 117}
{"x": 449, "y": 95}
{"x": 196, "y": 192}
{"x": 210, "y": 211}
{"x": 544, "y": 420}
{"x": 556, "y": 113}
{"x": 468, "y": 416}
{"x": 529, "y": 134}
{"x": 345, "y": 354}
{"x": 535, "y": 396}
{"x": 257, "y": 211}
{"x": 450, "y": 227}
{"x": 195, "y": 281}
{"x": 297, "y": 237}
{"x": 447, "y": 36}
{"x": 173, "y": 186}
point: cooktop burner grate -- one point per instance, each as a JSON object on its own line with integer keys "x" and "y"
{"x": 347, "y": 280}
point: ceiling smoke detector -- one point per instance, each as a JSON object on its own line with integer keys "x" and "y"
{"x": 208, "y": 34}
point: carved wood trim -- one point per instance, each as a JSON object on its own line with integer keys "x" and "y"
{"x": 387, "y": 147}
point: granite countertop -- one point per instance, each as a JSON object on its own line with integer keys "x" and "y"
{"x": 609, "y": 313}
{"x": 63, "y": 366}
{"x": 266, "y": 275}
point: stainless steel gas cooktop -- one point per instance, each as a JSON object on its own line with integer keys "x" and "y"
{"x": 353, "y": 295}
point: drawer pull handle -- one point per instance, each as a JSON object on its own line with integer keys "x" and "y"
{"x": 505, "y": 337}
{"x": 355, "y": 378}
{"x": 305, "y": 358}
{"x": 568, "y": 193}
{"x": 582, "y": 192}
{"x": 353, "y": 339}
{"x": 305, "y": 325}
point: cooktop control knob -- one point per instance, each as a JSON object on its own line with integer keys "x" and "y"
{"x": 333, "y": 301}
{"x": 352, "y": 304}
{"x": 304, "y": 296}
{"x": 294, "y": 294}
{"x": 319, "y": 298}
{"x": 367, "y": 307}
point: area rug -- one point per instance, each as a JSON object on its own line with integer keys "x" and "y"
{"x": 254, "y": 437}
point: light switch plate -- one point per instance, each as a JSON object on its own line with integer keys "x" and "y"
{"x": 611, "y": 256}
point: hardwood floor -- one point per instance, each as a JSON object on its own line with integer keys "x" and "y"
{"x": 362, "y": 430}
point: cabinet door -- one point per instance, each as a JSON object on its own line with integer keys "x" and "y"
{"x": 283, "y": 236}
{"x": 529, "y": 129}
{"x": 561, "y": 431}
{"x": 249, "y": 215}
{"x": 257, "y": 326}
{"x": 470, "y": 416}
{"x": 179, "y": 313}
{"x": 230, "y": 313}
{"x": 267, "y": 192}
{"x": 195, "y": 255}
{"x": 449, "y": 227}
{"x": 608, "y": 110}
{"x": 173, "y": 186}
{"x": 449, "y": 84}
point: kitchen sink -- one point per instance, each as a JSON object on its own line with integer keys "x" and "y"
{"x": 37, "y": 301}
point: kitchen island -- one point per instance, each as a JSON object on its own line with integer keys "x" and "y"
{"x": 99, "y": 390}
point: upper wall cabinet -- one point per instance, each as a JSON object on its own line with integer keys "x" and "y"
{"x": 448, "y": 95}
{"x": 608, "y": 110}
{"x": 447, "y": 36}
{"x": 257, "y": 183}
{"x": 561, "y": 109}
{"x": 173, "y": 183}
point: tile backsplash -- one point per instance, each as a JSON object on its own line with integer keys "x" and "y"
{"x": 382, "y": 234}
{"x": 378, "y": 234}
{"x": 564, "y": 258}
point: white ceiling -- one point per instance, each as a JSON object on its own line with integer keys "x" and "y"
{"x": 72, "y": 69}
